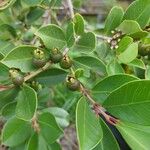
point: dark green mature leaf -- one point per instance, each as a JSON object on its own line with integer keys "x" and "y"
{"x": 6, "y": 3}
{"x": 52, "y": 36}
{"x": 129, "y": 54}
{"x": 15, "y": 132}
{"x": 132, "y": 28}
{"x": 61, "y": 116}
{"x": 113, "y": 19}
{"x": 7, "y": 96}
{"x": 114, "y": 68}
{"x": 20, "y": 57}
{"x": 79, "y": 24}
{"x": 86, "y": 42}
{"x": 131, "y": 102}
{"x": 92, "y": 63}
{"x": 136, "y": 136}
{"x": 70, "y": 34}
{"x": 89, "y": 131}
{"x": 49, "y": 128}
{"x": 115, "y": 81}
{"x": 26, "y": 103}
{"x": 51, "y": 77}
{"x": 108, "y": 140}
{"x": 138, "y": 11}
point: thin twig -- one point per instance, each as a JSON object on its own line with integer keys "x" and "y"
{"x": 70, "y": 6}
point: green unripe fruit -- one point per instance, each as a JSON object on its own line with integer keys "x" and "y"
{"x": 66, "y": 62}
{"x": 73, "y": 84}
{"x": 28, "y": 36}
{"x": 16, "y": 77}
{"x": 56, "y": 55}
{"x": 39, "y": 59}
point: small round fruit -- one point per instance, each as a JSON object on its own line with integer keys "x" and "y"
{"x": 16, "y": 77}
{"x": 39, "y": 59}
{"x": 39, "y": 63}
{"x": 65, "y": 62}
{"x": 73, "y": 84}
{"x": 56, "y": 55}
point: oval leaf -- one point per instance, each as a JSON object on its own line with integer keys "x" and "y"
{"x": 89, "y": 132}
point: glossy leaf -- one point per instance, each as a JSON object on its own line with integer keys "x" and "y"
{"x": 15, "y": 132}
{"x": 131, "y": 102}
{"x": 52, "y": 36}
{"x": 138, "y": 11}
{"x": 26, "y": 103}
{"x": 89, "y": 132}
{"x": 113, "y": 19}
{"x": 49, "y": 128}
{"x": 20, "y": 57}
{"x": 136, "y": 136}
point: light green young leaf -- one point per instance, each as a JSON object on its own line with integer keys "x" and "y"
{"x": 79, "y": 24}
{"x": 129, "y": 54}
{"x": 15, "y": 132}
{"x": 20, "y": 57}
{"x": 49, "y": 128}
{"x": 147, "y": 72}
{"x": 138, "y": 11}
{"x": 89, "y": 132}
{"x": 131, "y": 102}
{"x": 113, "y": 19}
{"x": 136, "y": 136}
{"x": 137, "y": 63}
{"x": 26, "y": 103}
{"x": 52, "y": 36}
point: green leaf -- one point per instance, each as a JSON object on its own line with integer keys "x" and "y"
{"x": 6, "y": 47}
{"x": 115, "y": 81}
{"x": 108, "y": 140}
{"x": 49, "y": 128}
{"x": 136, "y": 136}
{"x": 26, "y": 103}
{"x": 129, "y": 54}
{"x": 114, "y": 68}
{"x": 5, "y": 4}
{"x": 79, "y": 24}
{"x": 7, "y": 96}
{"x": 137, "y": 63}
{"x": 52, "y": 36}
{"x": 132, "y": 28}
{"x": 124, "y": 43}
{"x": 89, "y": 132}
{"x": 20, "y": 57}
{"x": 61, "y": 116}
{"x": 113, "y": 19}
{"x": 138, "y": 11}
{"x": 51, "y": 76}
{"x": 131, "y": 102}
{"x": 92, "y": 63}
{"x": 70, "y": 34}
{"x": 15, "y": 132}
{"x": 8, "y": 110}
{"x": 86, "y": 43}
{"x": 32, "y": 2}
{"x": 147, "y": 72}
